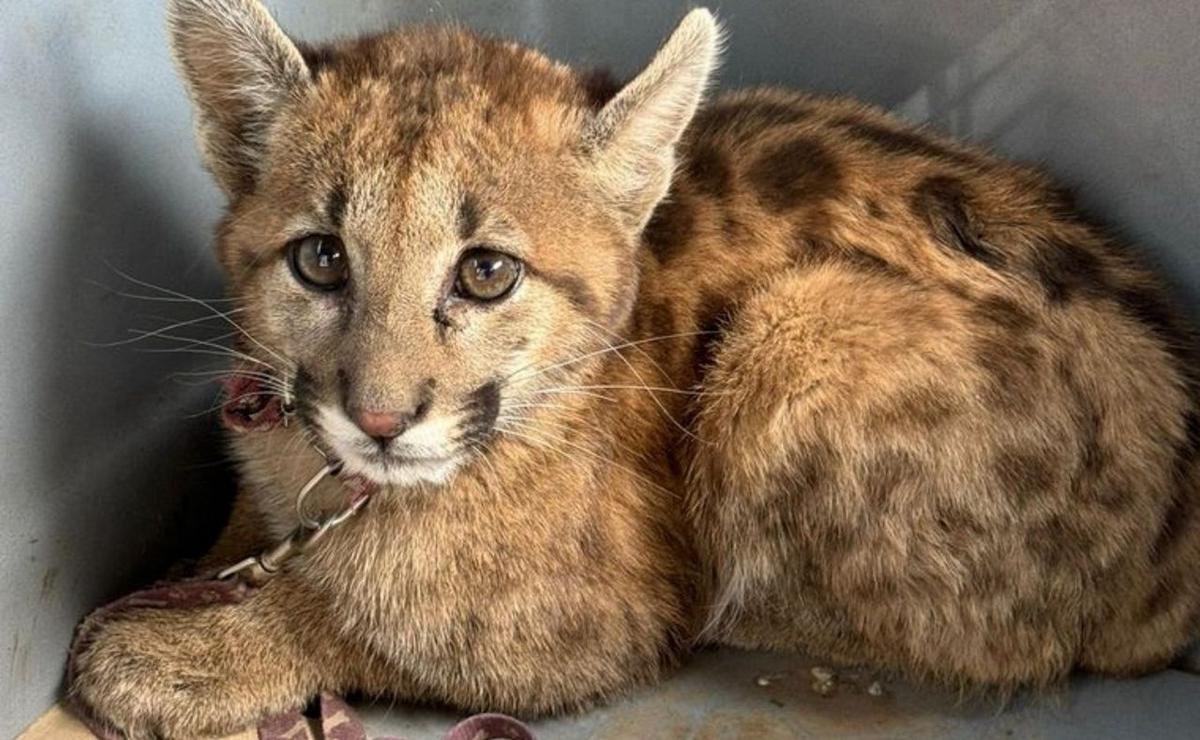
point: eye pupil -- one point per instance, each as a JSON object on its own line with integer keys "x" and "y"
{"x": 487, "y": 275}
{"x": 318, "y": 261}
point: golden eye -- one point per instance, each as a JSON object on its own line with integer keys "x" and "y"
{"x": 487, "y": 275}
{"x": 319, "y": 261}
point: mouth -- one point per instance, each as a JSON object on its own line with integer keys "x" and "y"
{"x": 399, "y": 462}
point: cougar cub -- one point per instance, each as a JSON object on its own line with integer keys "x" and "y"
{"x": 630, "y": 371}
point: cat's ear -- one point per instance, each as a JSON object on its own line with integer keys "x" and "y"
{"x": 632, "y": 139}
{"x": 240, "y": 68}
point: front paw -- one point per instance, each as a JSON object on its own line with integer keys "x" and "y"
{"x": 157, "y": 673}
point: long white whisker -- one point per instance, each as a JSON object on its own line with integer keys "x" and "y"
{"x": 640, "y": 350}
{"x": 217, "y": 349}
{"x": 162, "y": 332}
{"x": 157, "y": 298}
{"x": 595, "y": 353}
{"x": 527, "y": 428}
{"x": 657, "y": 402}
{"x": 209, "y": 306}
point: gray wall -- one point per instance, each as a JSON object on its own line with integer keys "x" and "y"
{"x": 102, "y": 458}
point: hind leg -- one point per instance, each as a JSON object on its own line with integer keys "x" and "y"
{"x": 845, "y": 494}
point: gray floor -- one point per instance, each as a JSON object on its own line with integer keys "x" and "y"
{"x": 722, "y": 695}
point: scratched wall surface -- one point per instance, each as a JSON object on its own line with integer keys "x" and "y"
{"x": 105, "y": 457}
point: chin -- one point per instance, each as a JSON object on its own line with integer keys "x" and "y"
{"x": 399, "y": 473}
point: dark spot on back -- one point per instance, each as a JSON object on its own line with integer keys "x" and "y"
{"x": 901, "y": 142}
{"x": 707, "y": 169}
{"x": 1005, "y": 313}
{"x": 1166, "y": 594}
{"x": 796, "y": 172}
{"x": 874, "y": 209}
{"x": 945, "y": 206}
{"x": 808, "y": 252}
{"x": 1066, "y": 269}
{"x": 1025, "y": 474}
{"x": 959, "y": 523}
{"x": 670, "y": 228}
{"x": 335, "y": 206}
{"x": 887, "y": 471}
{"x": 1012, "y": 369}
{"x": 1147, "y": 306}
{"x": 921, "y": 408}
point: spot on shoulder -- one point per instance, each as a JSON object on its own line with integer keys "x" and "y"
{"x": 795, "y": 172}
{"x": 1066, "y": 270}
{"x": 1012, "y": 369}
{"x": 921, "y": 408}
{"x": 707, "y": 169}
{"x": 1004, "y": 313}
{"x": 671, "y": 227}
{"x": 808, "y": 252}
{"x": 888, "y": 471}
{"x": 944, "y": 204}
{"x": 1026, "y": 474}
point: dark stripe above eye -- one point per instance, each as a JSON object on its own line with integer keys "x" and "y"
{"x": 335, "y": 208}
{"x": 572, "y": 287}
{"x": 468, "y": 217}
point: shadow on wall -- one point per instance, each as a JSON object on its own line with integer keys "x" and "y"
{"x": 134, "y": 476}
{"x": 1071, "y": 85}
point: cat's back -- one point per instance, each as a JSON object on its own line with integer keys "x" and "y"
{"x": 939, "y": 366}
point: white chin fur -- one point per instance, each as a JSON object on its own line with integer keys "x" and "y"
{"x": 342, "y": 435}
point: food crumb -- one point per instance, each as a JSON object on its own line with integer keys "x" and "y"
{"x": 824, "y": 681}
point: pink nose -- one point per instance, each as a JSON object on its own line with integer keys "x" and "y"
{"x": 380, "y": 424}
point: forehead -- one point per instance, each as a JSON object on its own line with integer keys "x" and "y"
{"x": 430, "y": 99}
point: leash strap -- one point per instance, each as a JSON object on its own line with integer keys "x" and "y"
{"x": 248, "y": 407}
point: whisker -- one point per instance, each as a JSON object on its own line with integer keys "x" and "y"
{"x": 595, "y": 353}
{"x": 200, "y": 302}
{"x": 525, "y": 429}
{"x": 162, "y": 332}
{"x": 640, "y": 350}
{"x": 653, "y": 397}
{"x": 629, "y": 387}
{"x": 202, "y": 351}
{"x": 155, "y": 298}
{"x": 574, "y": 391}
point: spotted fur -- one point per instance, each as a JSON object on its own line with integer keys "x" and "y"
{"x": 878, "y": 396}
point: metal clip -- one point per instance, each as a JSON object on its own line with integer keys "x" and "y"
{"x": 258, "y": 569}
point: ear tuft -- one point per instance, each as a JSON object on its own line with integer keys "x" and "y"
{"x": 240, "y": 68}
{"x": 633, "y": 137}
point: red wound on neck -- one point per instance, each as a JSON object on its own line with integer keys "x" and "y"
{"x": 249, "y": 406}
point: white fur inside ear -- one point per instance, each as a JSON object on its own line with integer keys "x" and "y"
{"x": 634, "y": 135}
{"x": 239, "y": 67}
